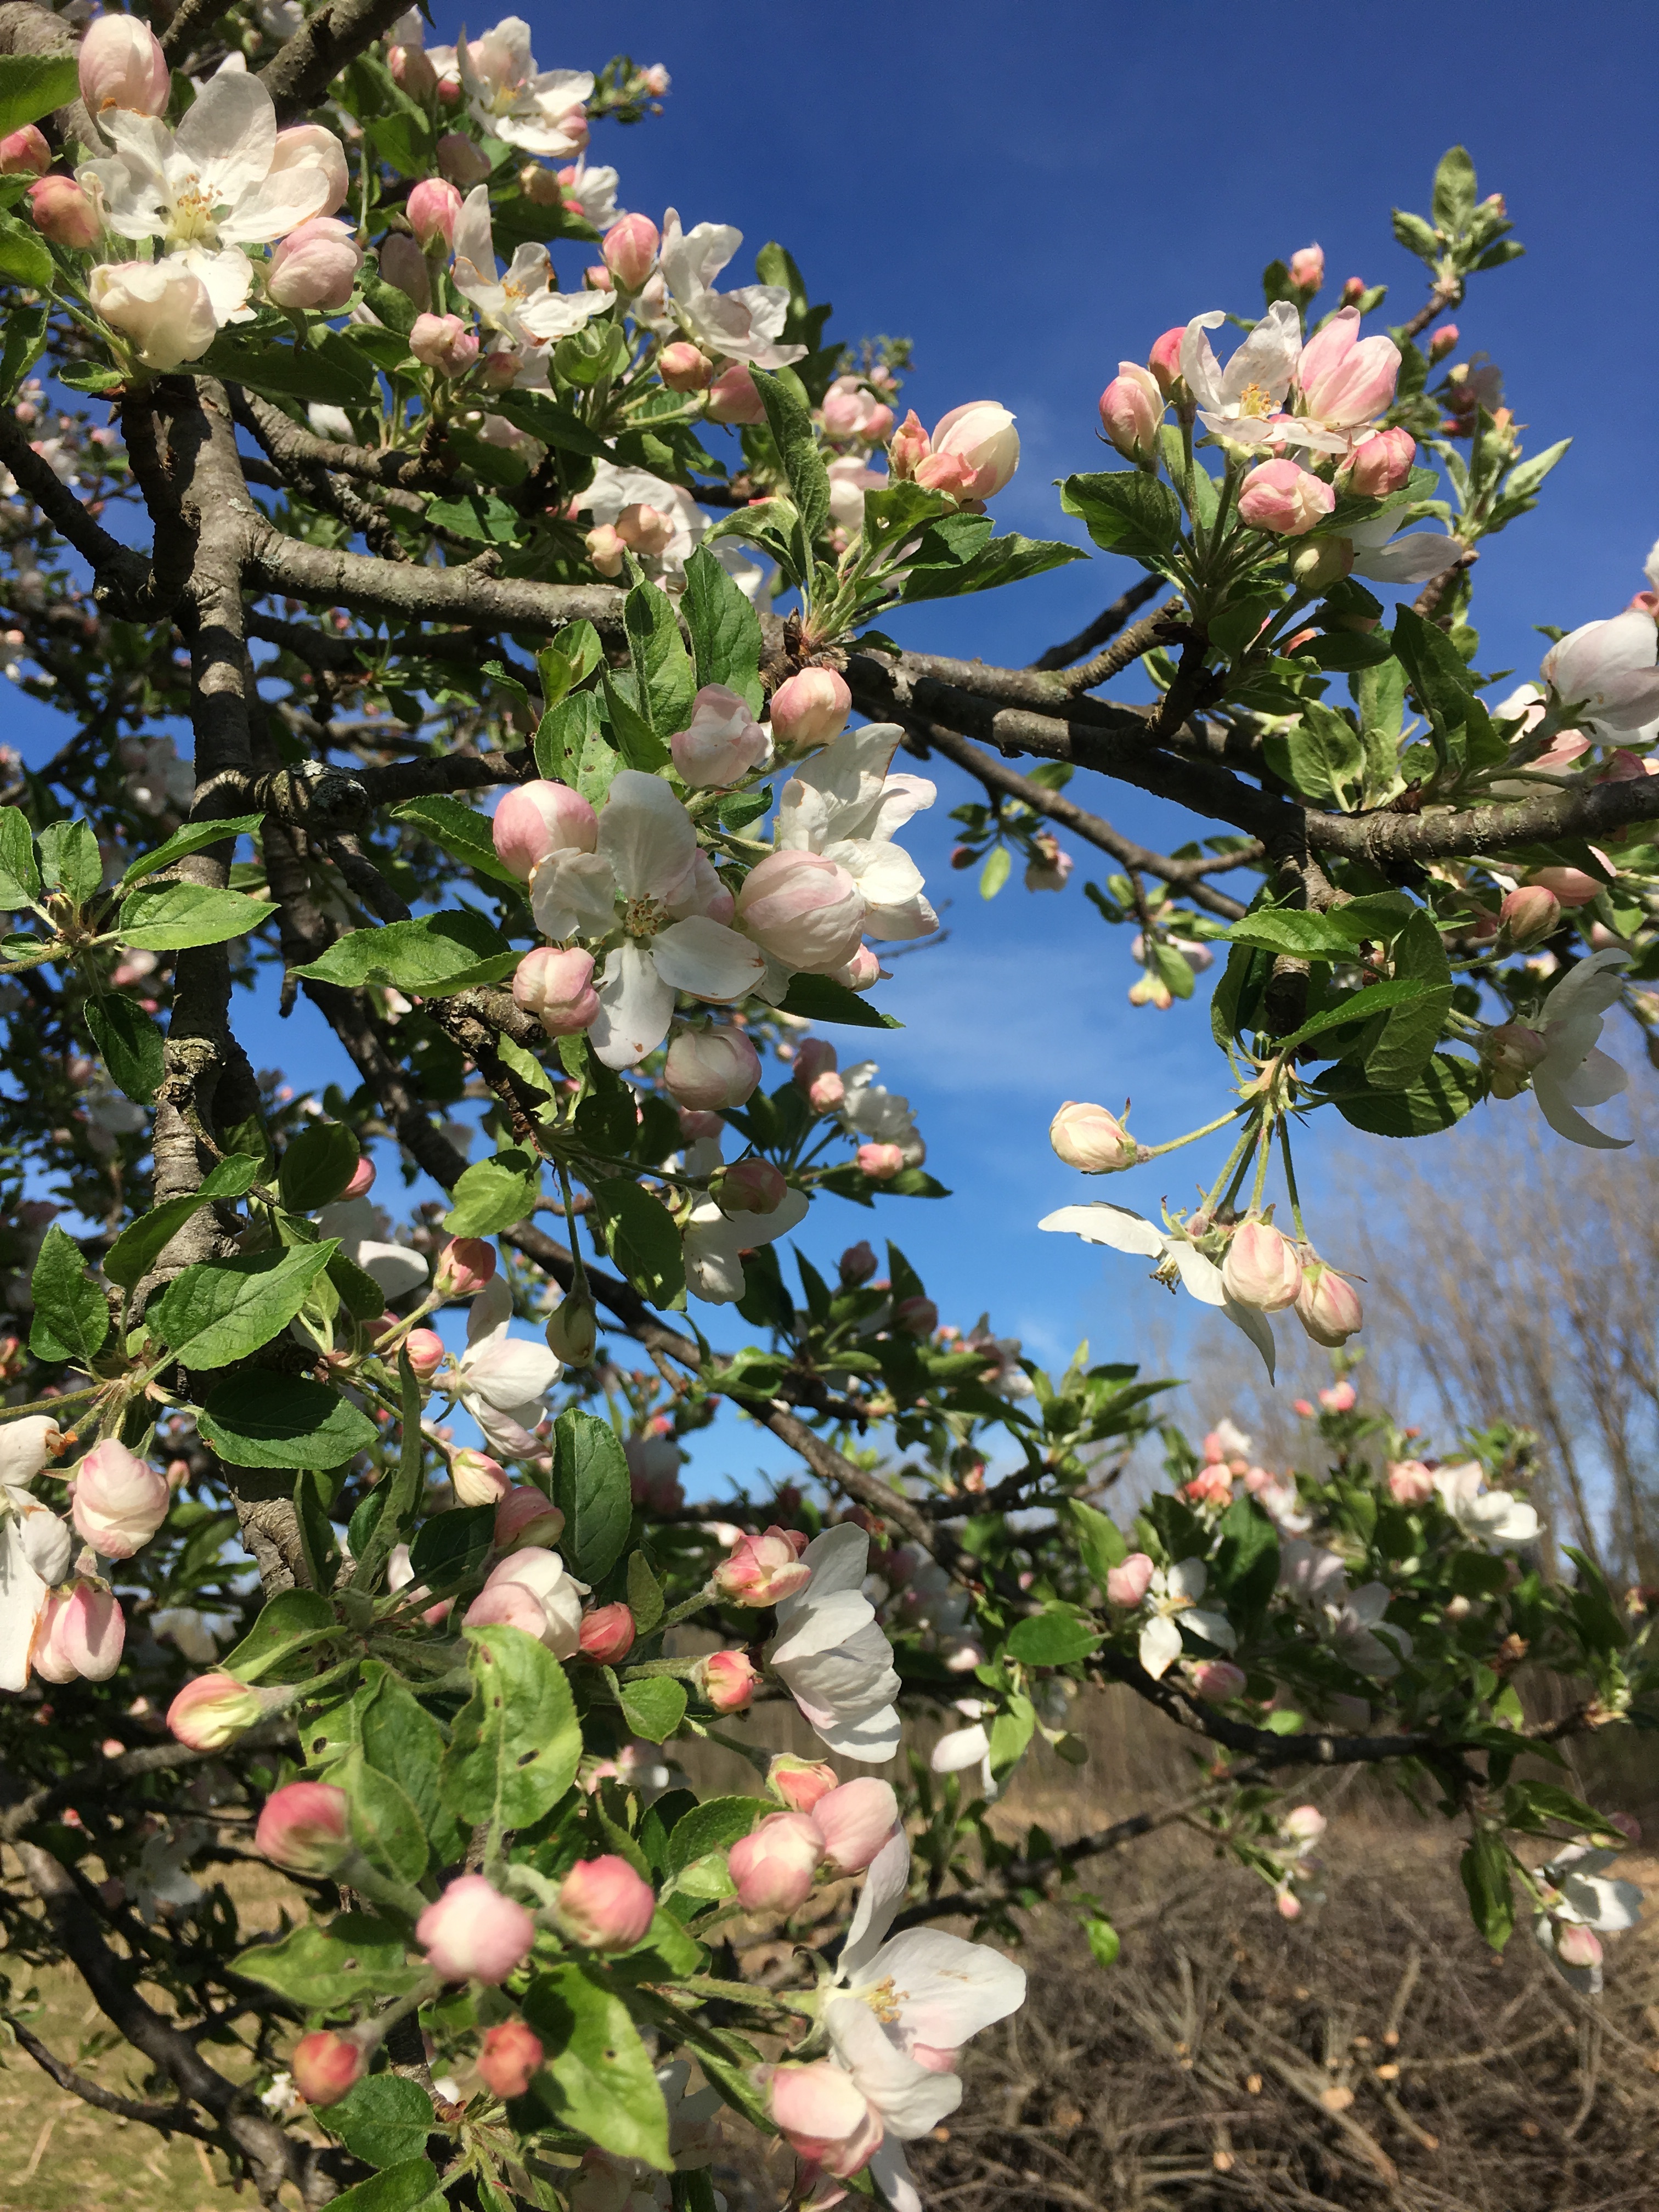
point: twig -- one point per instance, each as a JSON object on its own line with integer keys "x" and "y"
{"x": 1106, "y": 624}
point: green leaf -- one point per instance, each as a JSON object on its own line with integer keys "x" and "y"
{"x": 599, "y": 2079}
{"x": 459, "y": 830}
{"x": 1321, "y": 757}
{"x": 451, "y": 1547}
{"x": 592, "y": 1489}
{"x": 821, "y": 998}
{"x": 572, "y": 747}
{"x": 1245, "y": 1560}
{"x": 412, "y": 2186}
{"x": 20, "y": 876}
{"x": 632, "y": 735}
{"x": 726, "y": 631}
{"x": 545, "y": 419}
{"x": 515, "y": 1746}
{"x": 1342, "y": 650}
{"x": 223, "y": 1310}
{"x": 1524, "y": 480}
{"x": 24, "y": 258}
{"x": 26, "y": 334}
{"x": 1335, "y": 934}
{"x": 352, "y": 1962}
{"x": 171, "y": 916}
{"x": 71, "y": 1314}
{"x": 432, "y": 957}
{"x": 71, "y": 861}
{"x": 1353, "y": 1007}
{"x": 1416, "y": 236}
{"x": 662, "y": 667}
{"x": 384, "y": 1826}
{"x": 994, "y": 873}
{"x": 1438, "y": 677}
{"x": 33, "y": 85}
{"x": 1100, "y": 1543}
{"x": 492, "y": 1195}
{"x": 1011, "y": 1732}
{"x": 1006, "y": 560}
{"x": 129, "y": 1044}
{"x": 1104, "y": 1941}
{"x": 141, "y": 1243}
{"x": 335, "y": 374}
{"x": 645, "y": 1600}
{"x": 288, "y": 1629}
{"x": 191, "y": 839}
{"x": 1126, "y": 512}
{"x": 713, "y": 1825}
{"x": 260, "y": 1419}
{"x": 1443, "y": 1094}
{"x": 1408, "y": 1034}
{"x": 641, "y": 1237}
{"x": 383, "y": 2120}
{"x": 476, "y": 514}
{"x": 1051, "y": 1639}
{"x": 406, "y": 142}
{"x": 1454, "y": 191}
{"x": 318, "y": 1166}
{"x": 1485, "y": 1868}
{"x": 653, "y": 1707}
{"x": 798, "y": 448}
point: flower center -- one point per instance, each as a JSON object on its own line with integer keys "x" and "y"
{"x": 1255, "y": 399}
{"x": 192, "y": 211}
{"x": 643, "y": 917}
{"x": 883, "y": 2001}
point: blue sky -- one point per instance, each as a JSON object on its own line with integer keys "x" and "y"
{"x": 1030, "y": 194}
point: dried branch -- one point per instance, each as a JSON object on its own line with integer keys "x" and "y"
{"x": 1105, "y": 625}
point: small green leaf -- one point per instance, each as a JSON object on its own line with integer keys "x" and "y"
{"x": 172, "y": 916}
{"x": 71, "y": 1314}
{"x": 24, "y": 258}
{"x": 457, "y": 829}
{"x": 645, "y": 1600}
{"x": 994, "y": 873}
{"x": 592, "y": 1488}
{"x": 222, "y": 1309}
{"x": 1126, "y": 511}
{"x": 433, "y": 957}
{"x": 475, "y": 514}
{"x": 821, "y": 998}
{"x": 191, "y": 839}
{"x": 412, "y": 2186}
{"x": 129, "y": 1044}
{"x": 139, "y": 1245}
{"x": 1100, "y": 1543}
{"x": 1484, "y": 1866}
{"x": 654, "y": 1706}
{"x": 663, "y": 674}
{"x": 283, "y": 1637}
{"x": 318, "y": 1166}
{"x": 34, "y": 85}
{"x": 354, "y": 1961}
{"x": 515, "y": 1746}
{"x": 598, "y": 2079}
{"x": 20, "y": 876}
{"x": 796, "y": 439}
{"x": 1104, "y": 1941}
{"x": 383, "y": 2120}
{"x": 492, "y": 1195}
{"x": 726, "y": 631}
{"x": 713, "y": 1825}
{"x": 1052, "y": 1638}
{"x": 641, "y": 1237}
{"x": 260, "y": 1419}
{"x": 71, "y": 861}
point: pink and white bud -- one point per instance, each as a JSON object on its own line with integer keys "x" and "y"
{"x": 605, "y": 549}
{"x": 683, "y": 368}
{"x": 1089, "y": 1138}
{"x": 27, "y": 1445}
{"x": 445, "y": 343}
{"x": 646, "y": 531}
{"x": 810, "y": 710}
{"x": 760, "y": 1571}
{"x": 1577, "y": 1946}
{"x": 1410, "y": 1483}
{"x": 460, "y": 160}
{"x": 432, "y": 207}
{"x": 61, "y": 211}
{"x": 607, "y": 1635}
{"x": 1284, "y": 498}
{"x": 752, "y": 1186}
{"x": 1218, "y": 1681}
{"x": 605, "y": 1905}
{"x": 727, "y": 1679}
{"x": 122, "y": 65}
{"x": 403, "y": 265}
{"x": 629, "y": 248}
{"x": 1308, "y": 268}
{"x": 1327, "y": 1306}
{"x": 1571, "y": 886}
{"x": 915, "y": 1317}
{"x": 537, "y": 819}
{"x": 363, "y": 1178}
{"x": 477, "y": 1479}
{"x": 558, "y": 988}
{"x": 473, "y": 1933}
{"x": 1340, "y": 1397}
{"x": 314, "y": 266}
{"x": 80, "y": 1632}
{"x": 120, "y": 1500}
{"x": 24, "y": 153}
{"x": 1443, "y": 341}
{"x": 309, "y": 146}
{"x": 325, "y": 2064}
{"x": 827, "y": 1093}
{"x": 1305, "y": 1823}
{"x": 862, "y": 970}
{"x": 1347, "y": 380}
{"x": 510, "y": 2055}
{"x": 802, "y": 908}
{"x": 814, "y": 1056}
{"x": 526, "y": 1517}
{"x": 733, "y": 396}
{"x": 707, "y": 1070}
{"x": 305, "y": 1827}
{"x": 1513, "y": 1049}
{"x": 1128, "y": 1583}
{"x": 721, "y": 742}
{"x": 1132, "y": 411}
{"x": 907, "y": 449}
{"x": 855, "y": 1820}
{"x": 214, "y": 1709}
{"x": 775, "y": 1867}
{"x": 800, "y": 1782}
{"x": 857, "y": 1264}
{"x": 1288, "y": 1904}
{"x": 982, "y": 438}
{"x": 1165, "y": 360}
{"x": 464, "y": 1266}
{"x": 1261, "y": 1268}
{"x": 554, "y": 1614}
{"x": 881, "y": 1163}
{"x": 824, "y": 2116}
{"x": 424, "y": 1349}
{"x": 1381, "y": 463}
{"x": 161, "y": 308}
{"x": 412, "y": 71}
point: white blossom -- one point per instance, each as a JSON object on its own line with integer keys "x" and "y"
{"x": 502, "y": 1379}
{"x": 524, "y": 305}
{"x": 1171, "y": 1602}
{"x": 1496, "y": 1516}
{"x": 364, "y": 1230}
{"x": 743, "y": 325}
{"x": 1178, "y": 1259}
{"x": 843, "y": 804}
{"x": 512, "y": 98}
{"x": 831, "y": 1655}
{"x": 1574, "y": 1071}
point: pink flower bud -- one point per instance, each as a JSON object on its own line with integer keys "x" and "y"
{"x": 403, "y": 264}
{"x": 646, "y": 531}
{"x": 605, "y": 1905}
{"x": 60, "y": 210}
{"x": 1513, "y": 1049}
{"x": 1261, "y": 1268}
{"x": 881, "y": 1163}
{"x": 1285, "y": 498}
{"x": 305, "y": 1827}
{"x": 324, "y": 2065}
{"x": 1308, "y": 268}
{"x": 695, "y": 1126}
{"x": 733, "y": 396}
{"x": 1353, "y": 291}
{"x": 802, "y": 908}
{"x": 801, "y": 1781}
{"x": 824, "y": 2116}
{"x": 1443, "y": 341}
{"x": 122, "y": 65}
{"x": 810, "y": 710}
{"x": 1089, "y": 1138}
{"x": 1288, "y": 1904}
{"x": 607, "y": 1634}
{"x": 980, "y": 436}
{"x": 1305, "y": 1822}
{"x": 1132, "y": 411}
{"x": 752, "y": 1186}
{"x": 1218, "y": 1681}
{"x": 538, "y": 819}
{"x": 464, "y": 1266}
{"x": 827, "y": 1093}
{"x": 855, "y": 1820}
{"x": 425, "y": 1349}
{"x": 1571, "y": 886}
{"x": 915, "y": 1317}
{"x": 525, "y": 1516}
{"x": 856, "y": 1265}
{"x": 683, "y": 368}
{"x": 1128, "y": 1583}
{"x": 629, "y": 248}
{"x": 432, "y": 207}
{"x": 558, "y": 988}
{"x": 1410, "y": 1483}
{"x": 775, "y": 1867}
{"x": 510, "y": 2055}
{"x": 460, "y": 160}
{"x": 708, "y": 1069}
{"x": 862, "y": 970}
{"x": 1327, "y": 1306}
{"x": 1577, "y": 1946}
{"x": 80, "y": 1632}
{"x": 759, "y": 1570}
{"x": 727, "y": 1679}
{"x": 813, "y": 1056}
{"x": 24, "y": 153}
{"x": 1340, "y": 1398}
{"x": 476, "y": 1479}
{"x": 214, "y": 1709}
{"x": 363, "y": 1178}
{"x": 120, "y": 1500}
{"x": 475, "y": 1934}
{"x": 443, "y": 343}
{"x": 1381, "y": 463}
{"x": 908, "y": 447}
{"x": 721, "y": 742}
{"x": 314, "y": 266}
{"x": 309, "y": 146}
{"x": 1165, "y": 360}
{"x": 605, "y": 549}
{"x": 412, "y": 71}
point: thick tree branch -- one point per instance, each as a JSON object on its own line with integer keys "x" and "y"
{"x": 1593, "y": 810}
{"x": 118, "y": 570}
{"x": 306, "y": 66}
{"x": 174, "y": 2118}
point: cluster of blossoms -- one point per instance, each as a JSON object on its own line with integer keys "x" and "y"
{"x": 59, "y": 1618}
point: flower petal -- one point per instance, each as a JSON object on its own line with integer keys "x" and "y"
{"x": 945, "y": 1988}
{"x": 647, "y": 835}
{"x": 1160, "y": 1645}
{"x": 635, "y": 1008}
{"x": 707, "y": 959}
{"x": 1117, "y": 1226}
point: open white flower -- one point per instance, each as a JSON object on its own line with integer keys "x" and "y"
{"x": 1171, "y": 1600}
{"x": 162, "y": 308}
{"x": 647, "y": 875}
{"x": 1349, "y": 1626}
{"x": 512, "y": 98}
{"x": 1125, "y": 1230}
{"x": 1496, "y": 1516}
{"x": 22, "y": 1601}
{"x": 523, "y": 305}
{"x": 1411, "y": 559}
{"x": 966, "y": 1746}
{"x": 876, "y": 1115}
{"x": 743, "y": 325}
{"x": 1579, "y": 1895}
{"x": 1604, "y": 673}
{"x": 594, "y": 191}
{"x": 830, "y": 1654}
{"x": 714, "y": 1241}
{"x": 1244, "y": 402}
{"x": 1573, "y": 1071}
{"x": 843, "y": 804}
{"x": 363, "y": 1231}
{"x": 502, "y": 1379}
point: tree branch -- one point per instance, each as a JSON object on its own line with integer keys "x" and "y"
{"x": 1105, "y": 625}
{"x": 307, "y": 65}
